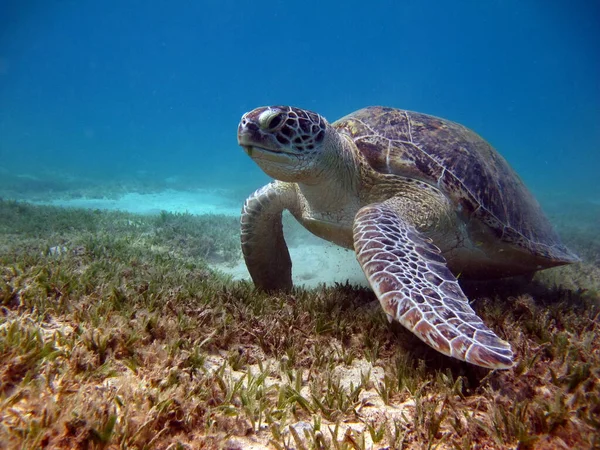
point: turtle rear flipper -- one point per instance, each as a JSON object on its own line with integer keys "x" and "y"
{"x": 415, "y": 287}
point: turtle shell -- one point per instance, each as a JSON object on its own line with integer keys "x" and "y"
{"x": 456, "y": 160}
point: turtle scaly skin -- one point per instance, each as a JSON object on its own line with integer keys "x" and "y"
{"x": 417, "y": 197}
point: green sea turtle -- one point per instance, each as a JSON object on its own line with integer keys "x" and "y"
{"x": 418, "y": 198}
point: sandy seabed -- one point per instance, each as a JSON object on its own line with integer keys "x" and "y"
{"x": 314, "y": 260}
{"x": 547, "y": 401}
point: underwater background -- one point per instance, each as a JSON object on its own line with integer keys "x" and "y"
{"x": 150, "y": 91}
{"x": 127, "y": 317}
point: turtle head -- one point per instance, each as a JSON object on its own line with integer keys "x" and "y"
{"x": 286, "y": 142}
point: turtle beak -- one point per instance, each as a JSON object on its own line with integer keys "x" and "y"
{"x": 251, "y": 135}
{"x": 248, "y": 131}
{"x": 250, "y": 139}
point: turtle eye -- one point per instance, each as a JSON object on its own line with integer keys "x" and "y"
{"x": 273, "y": 122}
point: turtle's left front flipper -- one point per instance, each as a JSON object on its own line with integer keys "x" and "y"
{"x": 415, "y": 287}
{"x": 263, "y": 245}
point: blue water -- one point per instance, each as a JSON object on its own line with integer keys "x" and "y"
{"x": 111, "y": 89}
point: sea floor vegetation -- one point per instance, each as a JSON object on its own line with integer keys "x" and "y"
{"x": 115, "y": 332}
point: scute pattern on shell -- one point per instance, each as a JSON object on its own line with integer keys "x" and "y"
{"x": 461, "y": 164}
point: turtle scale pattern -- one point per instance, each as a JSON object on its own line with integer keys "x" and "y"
{"x": 463, "y": 165}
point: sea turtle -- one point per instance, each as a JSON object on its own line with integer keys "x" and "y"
{"x": 418, "y": 198}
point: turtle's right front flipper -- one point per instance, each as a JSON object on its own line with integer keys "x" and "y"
{"x": 263, "y": 245}
{"x": 409, "y": 276}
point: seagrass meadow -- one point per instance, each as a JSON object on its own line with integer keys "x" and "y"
{"x": 117, "y": 332}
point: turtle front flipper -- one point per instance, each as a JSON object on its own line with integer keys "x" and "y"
{"x": 263, "y": 245}
{"x": 409, "y": 275}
